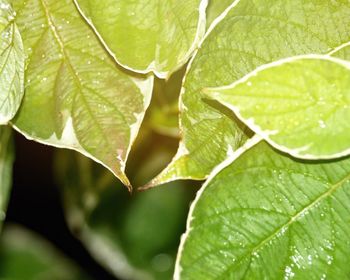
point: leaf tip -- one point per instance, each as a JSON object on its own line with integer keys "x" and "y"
{"x": 150, "y": 185}
{"x": 125, "y": 181}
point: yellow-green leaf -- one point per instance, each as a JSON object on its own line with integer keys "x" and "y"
{"x": 76, "y": 96}
{"x": 11, "y": 64}
{"x": 148, "y": 35}
{"x": 300, "y": 105}
{"x": 250, "y": 34}
{"x": 268, "y": 216}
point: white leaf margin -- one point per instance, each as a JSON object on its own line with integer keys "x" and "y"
{"x": 202, "y": 19}
{"x": 234, "y": 155}
{"x": 69, "y": 139}
{"x": 182, "y": 149}
{"x": 265, "y": 134}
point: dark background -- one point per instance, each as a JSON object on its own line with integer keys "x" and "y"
{"x": 35, "y": 203}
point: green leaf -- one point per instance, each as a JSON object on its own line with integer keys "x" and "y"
{"x": 11, "y": 64}
{"x": 343, "y": 53}
{"x": 149, "y": 35}
{"x": 76, "y": 96}
{"x": 134, "y": 237}
{"x": 216, "y": 8}
{"x": 299, "y": 105}
{"x": 24, "y": 255}
{"x": 163, "y": 113}
{"x": 268, "y": 216}
{"x": 6, "y": 161}
{"x": 253, "y": 33}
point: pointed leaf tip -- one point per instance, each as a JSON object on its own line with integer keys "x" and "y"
{"x": 87, "y": 103}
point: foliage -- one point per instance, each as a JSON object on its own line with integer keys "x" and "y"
{"x": 260, "y": 90}
{"x": 24, "y": 255}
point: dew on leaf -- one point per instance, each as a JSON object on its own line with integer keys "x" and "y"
{"x": 288, "y": 273}
{"x": 321, "y": 124}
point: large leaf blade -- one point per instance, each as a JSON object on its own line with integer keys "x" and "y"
{"x": 299, "y": 105}
{"x": 146, "y": 36}
{"x": 268, "y": 216}
{"x": 251, "y": 34}
{"x": 11, "y": 64}
{"x": 86, "y": 102}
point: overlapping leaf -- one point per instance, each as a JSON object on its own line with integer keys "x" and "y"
{"x": 148, "y": 35}
{"x": 267, "y": 216}
{"x": 6, "y": 161}
{"x": 299, "y": 105}
{"x": 216, "y": 8}
{"x": 11, "y": 64}
{"x": 253, "y": 33}
{"x": 76, "y": 96}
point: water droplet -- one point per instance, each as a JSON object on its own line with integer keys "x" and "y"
{"x": 4, "y": 6}
{"x": 288, "y": 273}
{"x": 309, "y": 258}
{"x": 321, "y": 124}
{"x": 329, "y": 260}
{"x": 249, "y": 84}
{"x": 11, "y": 17}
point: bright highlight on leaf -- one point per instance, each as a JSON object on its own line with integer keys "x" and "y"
{"x": 148, "y": 35}
{"x": 11, "y": 64}
{"x": 267, "y": 216}
{"x": 299, "y": 105}
{"x": 6, "y": 161}
{"x": 76, "y": 96}
{"x": 253, "y": 33}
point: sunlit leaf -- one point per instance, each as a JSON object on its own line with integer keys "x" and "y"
{"x": 343, "y": 53}
{"x": 267, "y": 216}
{"x": 216, "y": 8}
{"x": 299, "y": 105}
{"x": 6, "y": 161}
{"x": 148, "y": 35}
{"x": 11, "y": 64}
{"x": 76, "y": 96}
{"x": 253, "y": 33}
{"x": 24, "y": 255}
